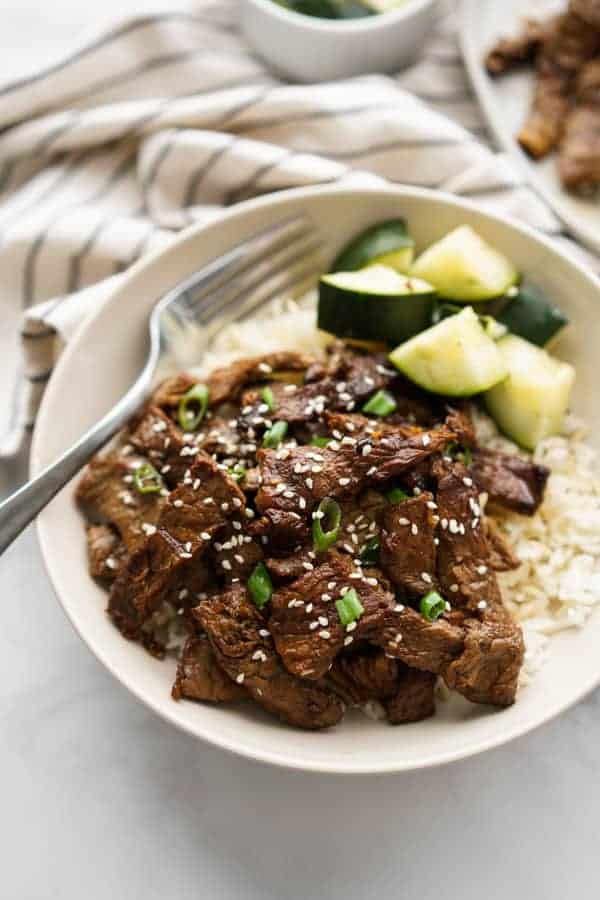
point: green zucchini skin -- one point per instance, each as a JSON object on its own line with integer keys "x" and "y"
{"x": 373, "y": 317}
{"x": 530, "y": 315}
{"x": 372, "y": 244}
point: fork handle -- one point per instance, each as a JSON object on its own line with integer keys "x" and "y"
{"x": 18, "y": 510}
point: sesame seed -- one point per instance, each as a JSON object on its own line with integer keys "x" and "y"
{"x": 225, "y": 507}
{"x": 444, "y": 523}
{"x": 237, "y": 525}
{"x": 398, "y": 638}
{"x": 343, "y": 482}
{"x": 468, "y": 482}
{"x": 264, "y": 633}
{"x": 348, "y": 640}
{"x": 148, "y": 529}
{"x": 325, "y": 634}
{"x": 240, "y": 678}
{"x": 431, "y": 505}
{"x": 265, "y": 367}
{"x": 482, "y": 604}
{"x": 399, "y": 607}
{"x": 426, "y": 577}
{"x": 239, "y": 558}
{"x": 413, "y": 529}
{"x": 185, "y": 555}
{"x": 481, "y": 570}
{"x": 426, "y": 440}
{"x": 290, "y": 389}
{"x": 324, "y": 621}
{"x": 372, "y": 471}
{"x": 313, "y": 625}
{"x": 403, "y": 521}
{"x": 226, "y": 565}
{"x": 302, "y": 503}
{"x": 309, "y": 607}
{"x": 208, "y": 501}
{"x": 178, "y": 503}
{"x": 454, "y": 588}
{"x": 111, "y": 563}
{"x": 367, "y": 448}
{"x": 289, "y": 494}
{"x": 351, "y": 626}
{"x": 205, "y": 535}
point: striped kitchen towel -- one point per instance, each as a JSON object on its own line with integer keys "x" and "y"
{"x": 160, "y": 122}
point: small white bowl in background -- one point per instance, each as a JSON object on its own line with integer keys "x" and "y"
{"x": 309, "y": 49}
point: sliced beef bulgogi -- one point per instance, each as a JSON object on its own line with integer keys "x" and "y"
{"x": 408, "y": 549}
{"x": 509, "y": 481}
{"x": 244, "y": 649}
{"x": 414, "y": 698}
{"x": 199, "y": 676}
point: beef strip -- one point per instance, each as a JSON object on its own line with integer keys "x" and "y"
{"x": 288, "y": 568}
{"x": 414, "y": 699}
{"x": 243, "y": 648}
{"x": 107, "y": 494}
{"x": 235, "y": 554}
{"x": 173, "y": 557}
{"x": 510, "y": 53}
{"x": 157, "y": 437}
{"x": 579, "y": 163}
{"x": 170, "y": 391}
{"x": 459, "y": 420}
{"x": 569, "y": 44}
{"x": 305, "y": 623}
{"x": 227, "y": 382}
{"x": 199, "y": 676}
{"x": 428, "y": 646}
{"x": 501, "y": 557}
{"x": 408, "y": 551}
{"x": 509, "y": 481}
{"x": 106, "y": 552}
{"x": 295, "y": 480}
{"x": 280, "y": 531}
{"x": 364, "y": 676}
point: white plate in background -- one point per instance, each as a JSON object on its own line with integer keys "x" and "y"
{"x": 505, "y": 102}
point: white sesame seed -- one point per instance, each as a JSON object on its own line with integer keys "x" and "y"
{"x": 226, "y": 565}
{"x": 348, "y": 640}
{"x": 367, "y": 448}
{"x": 413, "y": 529}
{"x": 265, "y": 367}
{"x": 431, "y": 505}
{"x": 343, "y": 482}
{"x": 403, "y": 521}
{"x": 208, "y": 501}
{"x": 482, "y": 604}
{"x": 325, "y": 598}
{"x": 481, "y": 570}
{"x": 309, "y": 607}
{"x": 398, "y": 638}
{"x": 324, "y": 621}
{"x": 372, "y": 471}
{"x": 308, "y": 566}
{"x": 264, "y": 633}
{"x": 313, "y": 625}
{"x": 148, "y": 529}
{"x": 426, "y": 577}
{"x": 351, "y": 626}
{"x": 325, "y": 634}
{"x": 399, "y": 607}
{"x": 239, "y": 558}
{"x": 240, "y": 678}
{"x": 468, "y": 482}
{"x": 289, "y": 494}
{"x": 454, "y": 588}
{"x": 178, "y": 503}
{"x": 331, "y": 585}
{"x": 372, "y": 581}
{"x": 111, "y": 563}
{"x": 426, "y": 440}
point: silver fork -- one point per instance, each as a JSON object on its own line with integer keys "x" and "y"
{"x": 282, "y": 258}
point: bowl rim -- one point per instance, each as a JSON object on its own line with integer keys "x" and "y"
{"x": 52, "y": 566}
{"x": 314, "y": 24}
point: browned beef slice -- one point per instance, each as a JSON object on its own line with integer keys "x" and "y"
{"x": 107, "y": 494}
{"x": 240, "y": 639}
{"x": 280, "y": 531}
{"x": 106, "y": 552}
{"x": 408, "y": 551}
{"x": 295, "y": 480}
{"x": 288, "y": 568}
{"x": 305, "y": 623}
{"x": 361, "y": 520}
{"x": 174, "y": 558}
{"x": 429, "y": 646}
{"x": 501, "y": 557}
{"x": 487, "y": 670}
{"x": 226, "y": 383}
{"x": 414, "y": 698}
{"x": 355, "y": 426}
{"x": 510, "y": 481}
{"x": 236, "y": 553}
{"x": 369, "y": 675}
{"x": 464, "y": 569}
{"x": 220, "y": 437}
{"x": 170, "y": 391}
{"x": 158, "y": 438}
{"x": 199, "y": 676}
{"x": 459, "y": 420}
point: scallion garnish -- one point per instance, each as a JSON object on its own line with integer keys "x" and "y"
{"x": 467, "y": 456}
{"x": 397, "y": 495}
{"x": 318, "y": 441}
{"x": 268, "y": 398}
{"x": 147, "y": 480}
{"x": 349, "y": 607}
{"x": 237, "y": 472}
{"x": 274, "y": 436}
{"x": 369, "y": 554}
{"x": 381, "y": 404}
{"x": 260, "y": 585}
{"x": 192, "y": 407}
{"x": 328, "y": 513}
{"x": 432, "y": 606}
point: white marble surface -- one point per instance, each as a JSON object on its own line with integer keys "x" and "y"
{"x": 101, "y": 800}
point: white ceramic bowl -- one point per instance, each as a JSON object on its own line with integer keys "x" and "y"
{"x": 103, "y": 358}
{"x": 305, "y": 48}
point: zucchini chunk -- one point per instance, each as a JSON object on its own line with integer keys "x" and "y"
{"x": 530, "y": 315}
{"x": 531, "y": 403}
{"x": 456, "y": 357}
{"x": 388, "y": 244}
{"x": 463, "y": 267}
{"x": 374, "y": 304}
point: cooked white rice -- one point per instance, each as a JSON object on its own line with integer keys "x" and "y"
{"x": 558, "y": 583}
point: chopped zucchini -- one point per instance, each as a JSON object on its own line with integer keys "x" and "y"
{"x": 455, "y": 357}
{"x": 387, "y": 244}
{"x": 490, "y": 325}
{"x": 374, "y": 304}
{"x": 530, "y": 315}
{"x": 531, "y": 403}
{"x": 463, "y": 267}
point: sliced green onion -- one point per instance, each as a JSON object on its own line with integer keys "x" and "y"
{"x": 370, "y": 552}
{"x": 274, "y": 436}
{"x": 147, "y": 480}
{"x": 349, "y": 607}
{"x": 237, "y": 472}
{"x": 467, "y": 456}
{"x": 397, "y": 495}
{"x": 260, "y": 585}
{"x": 381, "y": 404}
{"x": 432, "y": 606}
{"x": 327, "y": 511}
{"x": 268, "y": 397}
{"x": 318, "y": 441}
{"x": 192, "y": 407}
{"x": 463, "y": 454}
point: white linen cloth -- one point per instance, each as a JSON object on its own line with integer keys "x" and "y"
{"x": 161, "y": 121}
